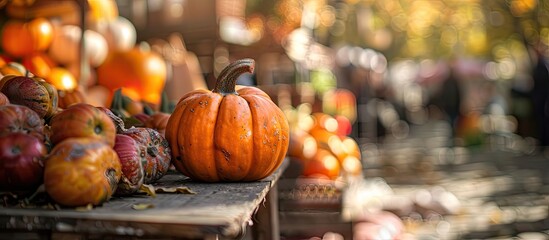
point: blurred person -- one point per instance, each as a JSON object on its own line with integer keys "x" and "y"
{"x": 540, "y": 93}
{"x": 448, "y": 97}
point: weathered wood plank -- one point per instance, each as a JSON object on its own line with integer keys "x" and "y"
{"x": 216, "y": 208}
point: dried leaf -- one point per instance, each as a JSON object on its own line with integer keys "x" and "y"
{"x": 142, "y": 206}
{"x": 86, "y": 208}
{"x": 181, "y": 189}
{"x": 148, "y": 189}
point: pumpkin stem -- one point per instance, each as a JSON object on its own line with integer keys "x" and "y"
{"x": 226, "y": 81}
{"x": 117, "y": 103}
{"x": 165, "y": 103}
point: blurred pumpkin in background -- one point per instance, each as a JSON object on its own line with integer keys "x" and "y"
{"x": 39, "y": 64}
{"x": 119, "y": 33}
{"x": 140, "y": 73}
{"x": 102, "y": 10}
{"x": 323, "y": 164}
{"x": 65, "y": 46}
{"x": 87, "y": 80}
{"x": 62, "y": 79}
{"x": 12, "y": 68}
{"x": 20, "y": 38}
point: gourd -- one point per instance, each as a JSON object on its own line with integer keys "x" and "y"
{"x": 19, "y": 118}
{"x": 158, "y": 122}
{"x": 32, "y": 92}
{"x": 81, "y": 171}
{"x": 231, "y": 133}
{"x": 145, "y": 145}
{"x": 70, "y": 97}
{"x": 83, "y": 120}
{"x": 21, "y": 38}
{"x": 132, "y": 156}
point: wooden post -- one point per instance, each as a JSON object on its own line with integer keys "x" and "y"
{"x": 266, "y": 225}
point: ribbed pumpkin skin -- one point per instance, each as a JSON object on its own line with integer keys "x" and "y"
{"x": 226, "y": 137}
{"x": 20, "y": 118}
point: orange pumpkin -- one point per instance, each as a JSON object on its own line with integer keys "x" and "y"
{"x": 24, "y": 38}
{"x": 39, "y": 64}
{"x": 141, "y": 74}
{"x": 324, "y": 163}
{"x": 302, "y": 145}
{"x": 340, "y": 102}
{"x": 229, "y": 133}
{"x": 12, "y": 68}
{"x": 68, "y": 98}
{"x": 81, "y": 171}
{"x": 102, "y": 10}
{"x": 62, "y": 79}
{"x": 324, "y": 121}
{"x": 158, "y": 122}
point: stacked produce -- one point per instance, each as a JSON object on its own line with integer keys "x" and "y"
{"x": 52, "y": 129}
{"x": 321, "y": 141}
{"x": 91, "y": 124}
{"x": 87, "y": 65}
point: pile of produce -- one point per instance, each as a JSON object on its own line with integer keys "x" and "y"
{"x": 80, "y": 154}
{"x": 320, "y": 140}
{"x": 85, "y": 154}
{"x": 87, "y": 65}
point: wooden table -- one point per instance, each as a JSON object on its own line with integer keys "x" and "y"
{"x": 223, "y": 210}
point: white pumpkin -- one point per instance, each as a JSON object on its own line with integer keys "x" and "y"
{"x": 119, "y": 33}
{"x": 65, "y": 47}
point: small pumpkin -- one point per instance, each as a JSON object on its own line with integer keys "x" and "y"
{"x": 140, "y": 73}
{"x": 340, "y": 101}
{"x": 65, "y": 46}
{"x": 158, "y": 121}
{"x": 32, "y": 92}
{"x": 21, "y": 38}
{"x": 120, "y": 33}
{"x": 132, "y": 159}
{"x": 70, "y": 97}
{"x": 39, "y": 63}
{"x": 229, "y": 133}
{"x": 62, "y": 79}
{"x": 19, "y": 118}
{"x": 323, "y": 164}
{"x": 81, "y": 171}
{"x": 82, "y": 120}
{"x": 153, "y": 148}
{"x": 157, "y": 152}
{"x": 302, "y": 145}
{"x": 12, "y": 68}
